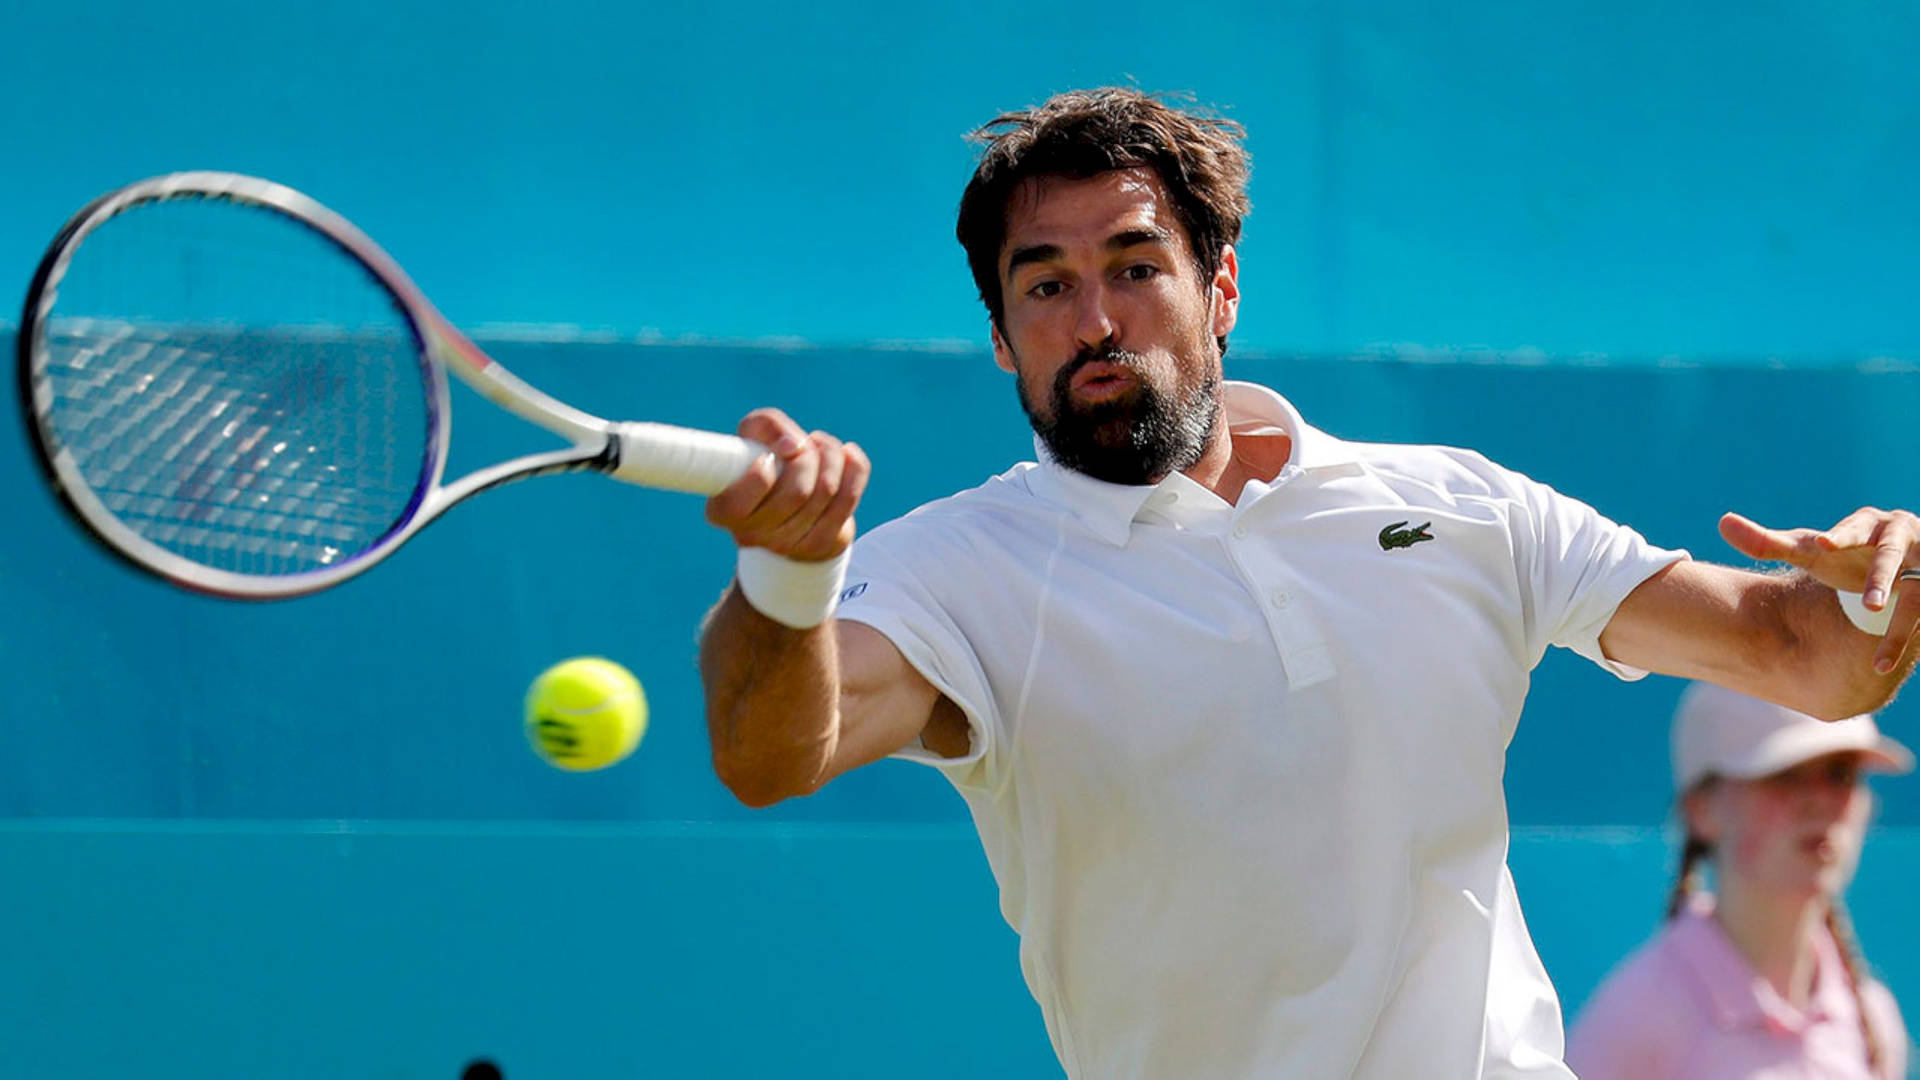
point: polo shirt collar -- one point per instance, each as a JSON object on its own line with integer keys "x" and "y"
{"x": 1251, "y": 408}
{"x": 1736, "y": 995}
{"x": 1109, "y": 510}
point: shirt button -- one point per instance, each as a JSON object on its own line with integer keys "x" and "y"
{"x": 1239, "y": 532}
{"x": 1282, "y": 599}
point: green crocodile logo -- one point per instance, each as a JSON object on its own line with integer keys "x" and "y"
{"x": 1397, "y": 535}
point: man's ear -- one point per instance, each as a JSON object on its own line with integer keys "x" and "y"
{"x": 1225, "y": 292}
{"x": 1002, "y": 355}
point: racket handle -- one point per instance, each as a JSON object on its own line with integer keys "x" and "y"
{"x": 680, "y": 459}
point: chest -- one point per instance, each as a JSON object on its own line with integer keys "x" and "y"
{"x": 1353, "y": 645}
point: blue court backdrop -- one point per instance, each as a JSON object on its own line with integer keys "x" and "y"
{"x": 1660, "y": 256}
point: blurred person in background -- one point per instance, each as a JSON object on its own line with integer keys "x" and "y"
{"x": 1762, "y": 977}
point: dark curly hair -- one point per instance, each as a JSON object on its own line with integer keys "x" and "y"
{"x": 1083, "y": 133}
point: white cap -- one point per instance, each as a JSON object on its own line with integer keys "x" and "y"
{"x": 1727, "y": 734}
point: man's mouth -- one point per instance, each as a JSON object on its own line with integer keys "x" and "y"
{"x": 1100, "y": 380}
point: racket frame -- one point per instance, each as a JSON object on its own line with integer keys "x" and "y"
{"x": 657, "y": 455}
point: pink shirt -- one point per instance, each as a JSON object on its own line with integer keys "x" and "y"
{"x": 1688, "y": 1006}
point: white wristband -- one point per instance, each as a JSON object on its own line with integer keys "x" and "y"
{"x": 1873, "y": 622}
{"x": 790, "y": 592}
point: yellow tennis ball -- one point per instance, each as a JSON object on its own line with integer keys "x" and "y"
{"x": 585, "y": 713}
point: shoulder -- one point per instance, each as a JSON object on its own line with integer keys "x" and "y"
{"x": 1640, "y": 1013}
{"x": 1448, "y": 473}
{"x": 1003, "y": 507}
{"x": 1005, "y": 493}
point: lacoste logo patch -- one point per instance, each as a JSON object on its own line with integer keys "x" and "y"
{"x": 1397, "y": 535}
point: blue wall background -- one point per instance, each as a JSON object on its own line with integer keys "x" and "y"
{"x": 1636, "y": 178}
{"x": 1661, "y": 256}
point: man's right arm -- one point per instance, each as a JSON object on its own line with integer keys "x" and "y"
{"x": 788, "y": 708}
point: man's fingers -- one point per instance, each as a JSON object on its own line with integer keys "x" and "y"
{"x": 783, "y": 536}
{"x": 1898, "y": 639}
{"x": 833, "y": 460}
{"x": 774, "y": 430}
{"x": 833, "y": 531}
{"x": 1868, "y": 549}
{"x": 732, "y": 505}
{"x": 798, "y": 499}
{"x": 859, "y": 468}
{"x": 1857, "y": 529}
{"x": 1890, "y": 553}
{"x": 799, "y": 474}
{"x": 1756, "y": 541}
{"x": 765, "y": 492}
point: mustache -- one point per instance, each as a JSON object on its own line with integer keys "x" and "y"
{"x": 1095, "y": 354}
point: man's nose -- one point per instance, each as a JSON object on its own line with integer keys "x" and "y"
{"x": 1094, "y": 324}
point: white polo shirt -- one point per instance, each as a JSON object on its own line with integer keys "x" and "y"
{"x": 1237, "y": 769}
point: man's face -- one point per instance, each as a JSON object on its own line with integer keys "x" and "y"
{"x": 1109, "y": 327}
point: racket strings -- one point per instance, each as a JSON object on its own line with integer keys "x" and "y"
{"x": 202, "y": 460}
{"x": 258, "y": 409}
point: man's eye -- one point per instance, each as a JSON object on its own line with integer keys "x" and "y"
{"x": 1046, "y": 289}
{"x": 1140, "y": 272}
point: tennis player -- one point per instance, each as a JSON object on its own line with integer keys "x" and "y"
{"x": 1763, "y": 977}
{"x": 1228, "y": 697}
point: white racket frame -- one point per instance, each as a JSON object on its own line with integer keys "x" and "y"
{"x": 648, "y": 454}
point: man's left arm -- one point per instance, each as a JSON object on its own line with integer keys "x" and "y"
{"x": 1784, "y": 636}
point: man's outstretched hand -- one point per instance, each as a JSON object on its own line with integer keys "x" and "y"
{"x": 1872, "y": 552}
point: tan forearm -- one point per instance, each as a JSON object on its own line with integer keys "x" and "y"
{"x": 772, "y": 701}
{"x": 1778, "y": 636}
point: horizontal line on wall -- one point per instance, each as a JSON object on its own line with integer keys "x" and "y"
{"x": 1398, "y": 353}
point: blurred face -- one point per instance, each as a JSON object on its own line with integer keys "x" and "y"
{"x": 1796, "y": 833}
{"x": 1109, "y": 326}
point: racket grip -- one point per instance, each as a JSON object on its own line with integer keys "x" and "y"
{"x": 680, "y": 459}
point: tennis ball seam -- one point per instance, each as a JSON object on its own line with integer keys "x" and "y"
{"x": 619, "y": 698}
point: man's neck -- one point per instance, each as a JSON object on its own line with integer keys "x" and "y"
{"x": 1776, "y": 936}
{"x": 1230, "y": 462}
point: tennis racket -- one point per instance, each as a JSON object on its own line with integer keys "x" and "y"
{"x": 234, "y": 388}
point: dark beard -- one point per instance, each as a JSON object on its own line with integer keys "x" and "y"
{"x": 1139, "y": 440}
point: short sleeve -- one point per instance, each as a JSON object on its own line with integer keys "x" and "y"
{"x": 1577, "y": 566}
{"x": 888, "y": 592}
